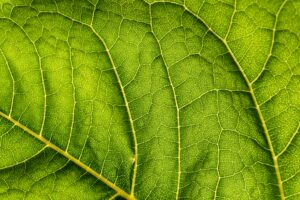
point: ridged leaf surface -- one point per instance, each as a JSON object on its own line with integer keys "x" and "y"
{"x": 145, "y": 99}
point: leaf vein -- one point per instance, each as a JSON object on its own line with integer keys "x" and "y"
{"x": 47, "y": 143}
{"x": 249, "y": 84}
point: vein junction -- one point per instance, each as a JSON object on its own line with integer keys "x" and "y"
{"x": 250, "y": 87}
{"x": 76, "y": 161}
{"x": 263, "y": 123}
{"x": 119, "y": 191}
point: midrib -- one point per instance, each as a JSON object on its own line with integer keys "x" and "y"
{"x": 76, "y": 161}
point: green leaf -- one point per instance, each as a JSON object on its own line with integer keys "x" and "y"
{"x": 133, "y": 99}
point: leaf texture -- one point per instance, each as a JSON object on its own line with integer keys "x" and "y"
{"x": 145, "y": 99}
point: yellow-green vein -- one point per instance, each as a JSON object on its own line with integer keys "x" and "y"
{"x": 127, "y": 109}
{"x": 123, "y": 95}
{"x": 177, "y": 109}
{"x": 68, "y": 156}
{"x": 249, "y": 84}
{"x": 272, "y": 42}
{"x": 13, "y": 83}
{"x": 41, "y": 73}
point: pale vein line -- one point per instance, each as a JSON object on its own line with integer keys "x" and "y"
{"x": 92, "y": 116}
{"x": 124, "y": 194}
{"x": 108, "y": 145}
{"x": 41, "y": 73}
{"x": 122, "y": 91}
{"x": 128, "y": 112}
{"x": 43, "y": 83}
{"x": 218, "y": 146}
{"x": 264, "y": 125}
{"x": 68, "y": 156}
{"x": 290, "y": 142}
{"x": 127, "y": 109}
{"x": 123, "y": 95}
{"x": 125, "y": 101}
{"x": 23, "y": 161}
{"x": 292, "y": 195}
{"x": 73, "y": 91}
{"x": 249, "y": 84}
{"x": 176, "y": 105}
{"x": 13, "y": 83}
{"x": 209, "y": 91}
{"x": 113, "y": 197}
{"x": 231, "y": 20}
{"x": 272, "y": 42}
{"x": 291, "y": 176}
{"x": 93, "y": 14}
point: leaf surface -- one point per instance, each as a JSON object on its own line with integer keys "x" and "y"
{"x": 138, "y": 99}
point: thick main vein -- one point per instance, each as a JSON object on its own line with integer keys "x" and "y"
{"x": 263, "y": 123}
{"x": 121, "y": 85}
{"x": 125, "y": 195}
{"x": 177, "y": 109}
{"x": 249, "y": 84}
{"x": 127, "y": 109}
{"x": 123, "y": 95}
{"x": 68, "y": 156}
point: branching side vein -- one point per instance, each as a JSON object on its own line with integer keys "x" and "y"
{"x": 47, "y": 143}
